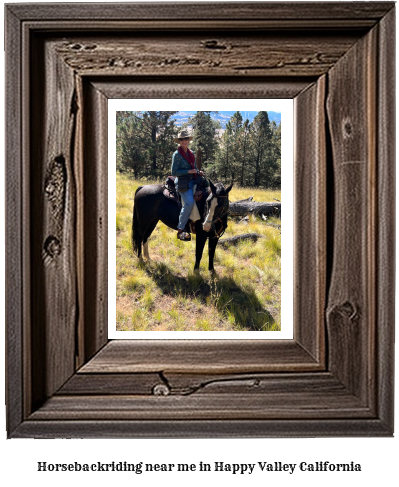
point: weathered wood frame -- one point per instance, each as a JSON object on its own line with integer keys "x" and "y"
{"x": 64, "y": 379}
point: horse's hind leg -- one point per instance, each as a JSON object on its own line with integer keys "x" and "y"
{"x": 137, "y": 233}
{"x": 147, "y": 234}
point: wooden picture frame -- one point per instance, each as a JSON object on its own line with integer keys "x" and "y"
{"x": 335, "y": 378}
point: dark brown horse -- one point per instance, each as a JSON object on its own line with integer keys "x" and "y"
{"x": 151, "y": 206}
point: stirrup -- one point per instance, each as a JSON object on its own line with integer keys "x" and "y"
{"x": 184, "y": 236}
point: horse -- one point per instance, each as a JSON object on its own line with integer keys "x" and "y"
{"x": 151, "y": 206}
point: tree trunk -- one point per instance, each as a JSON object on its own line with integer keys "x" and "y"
{"x": 154, "y": 140}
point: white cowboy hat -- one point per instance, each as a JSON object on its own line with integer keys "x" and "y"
{"x": 182, "y": 135}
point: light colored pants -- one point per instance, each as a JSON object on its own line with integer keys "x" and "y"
{"x": 187, "y": 199}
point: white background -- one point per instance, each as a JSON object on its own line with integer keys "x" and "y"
{"x": 378, "y": 457}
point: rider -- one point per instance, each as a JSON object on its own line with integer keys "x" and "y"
{"x": 183, "y": 164}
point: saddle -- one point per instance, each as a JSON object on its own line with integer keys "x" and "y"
{"x": 171, "y": 193}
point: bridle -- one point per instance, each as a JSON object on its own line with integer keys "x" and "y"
{"x": 223, "y": 213}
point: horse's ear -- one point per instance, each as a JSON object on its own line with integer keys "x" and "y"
{"x": 229, "y": 188}
{"x": 213, "y": 187}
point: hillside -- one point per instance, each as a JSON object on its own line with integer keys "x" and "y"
{"x": 223, "y": 117}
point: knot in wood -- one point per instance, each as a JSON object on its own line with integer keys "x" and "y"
{"x": 161, "y": 390}
{"x": 50, "y": 189}
{"x": 346, "y": 310}
{"x": 90, "y": 47}
{"x": 52, "y": 246}
{"x": 213, "y": 44}
{"x": 347, "y": 128}
{"x": 349, "y": 310}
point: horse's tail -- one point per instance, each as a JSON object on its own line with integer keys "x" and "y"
{"x": 136, "y": 238}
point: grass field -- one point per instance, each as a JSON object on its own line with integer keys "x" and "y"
{"x": 165, "y": 294}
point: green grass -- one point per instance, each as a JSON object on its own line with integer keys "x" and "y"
{"x": 165, "y": 293}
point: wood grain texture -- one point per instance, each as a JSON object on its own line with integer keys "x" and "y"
{"x": 198, "y": 87}
{"x": 185, "y": 384}
{"x": 351, "y": 310}
{"x": 218, "y": 55}
{"x": 111, "y": 384}
{"x": 310, "y": 213}
{"x": 200, "y": 407}
{"x": 275, "y": 396}
{"x": 200, "y": 356}
{"x": 361, "y": 12}
{"x": 14, "y": 237}
{"x": 53, "y": 213}
{"x": 68, "y": 60}
{"x": 251, "y": 428}
{"x": 385, "y": 245}
{"x": 95, "y": 220}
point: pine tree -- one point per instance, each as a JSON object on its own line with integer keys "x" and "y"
{"x": 245, "y": 136}
{"x": 144, "y": 139}
{"x": 131, "y": 143}
{"x": 261, "y": 143}
{"x": 154, "y": 123}
{"x": 166, "y": 146}
{"x": 275, "y": 154}
{"x": 222, "y": 162}
{"x": 236, "y": 145}
{"x": 205, "y": 136}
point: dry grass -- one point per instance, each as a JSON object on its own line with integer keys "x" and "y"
{"x": 165, "y": 293}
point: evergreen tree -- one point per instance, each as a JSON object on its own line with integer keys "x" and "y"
{"x": 236, "y": 145}
{"x": 204, "y": 136}
{"x": 276, "y": 154}
{"x": 245, "y": 138}
{"x": 131, "y": 144}
{"x": 166, "y": 146}
{"x": 261, "y": 145}
{"x": 223, "y": 155}
{"x": 154, "y": 123}
{"x": 143, "y": 140}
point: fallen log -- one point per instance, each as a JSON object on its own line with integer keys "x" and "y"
{"x": 239, "y": 238}
{"x": 253, "y": 208}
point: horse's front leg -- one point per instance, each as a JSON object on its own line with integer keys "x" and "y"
{"x": 199, "y": 248}
{"x": 212, "y": 243}
{"x": 145, "y": 251}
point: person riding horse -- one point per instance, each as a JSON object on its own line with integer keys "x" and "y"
{"x": 185, "y": 171}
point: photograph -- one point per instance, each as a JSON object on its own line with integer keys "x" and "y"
{"x": 197, "y": 200}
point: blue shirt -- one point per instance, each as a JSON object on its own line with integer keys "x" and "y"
{"x": 180, "y": 166}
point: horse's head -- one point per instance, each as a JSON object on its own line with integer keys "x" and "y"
{"x": 216, "y": 208}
